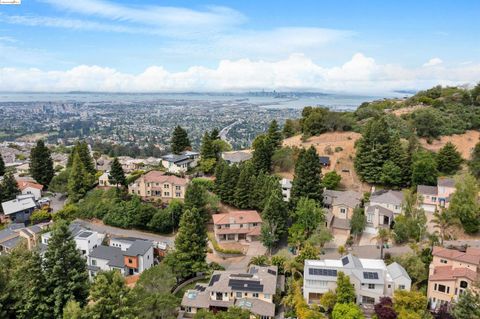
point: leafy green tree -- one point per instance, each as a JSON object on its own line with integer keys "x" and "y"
{"x": 244, "y": 186}
{"x": 347, "y": 311}
{"x": 331, "y": 180}
{"x": 180, "y": 141}
{"x": 78, "y": 181}
{"x": 39, "y": 216}
{"x": 108, "y": 296}
{"x": 307, "y": 181}
{"x": 196, "y": 198}
{"x": 391, "y": 175}
{"x": 207, "y": 165}
{"x": 261, "y": 260}
{"x": 207, "y": 149}
{"x": 308, "y": 215}
{"x": 444, "y": 222}
{"x": 408, "y": 303}
{"x": 41, "y": 164}
{"x": 117, "y": 175}
{"x": 415, "y": 267}
{"x": 59, "y": 183}
{"x": 345, "y": 291}
{"x": 289, "y": 128}
{"x": 424, "y": 169}
{"x": 274, "y": 218}
{"x": 382, "y": 237}
{"x": 474, "y": 163}
{"x": 464, "y": 204}
{"x": 358, "y": 222}
{"x": 449, "y": 159}
{"x": 320, "y": 236}
{"x": 274, "y": 135}
{"x": 467, "y": 306}
{"x": 308, "y": 251}
{"x": 190, "y": 245}
{"x": 262, "y": 154}
{"x": 72, "y": 310}
{"x": 427, "y": 122}
{"x": 65, "y": 270}
{"x": 2, "y": 166}
{"x": 9, "y": 187}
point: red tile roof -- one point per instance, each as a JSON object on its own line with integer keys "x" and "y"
{"x": 445, "y": 273}
{"x": 471, "y": 256}
{"x": 237, "y": 217}
{"x": 24, "y": 184}
{"x": 160, "y": 177}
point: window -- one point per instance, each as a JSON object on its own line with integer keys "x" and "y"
{"x": 463, "y": 284}
{"x": 130, "y": 260}
{"x": 94, "y": 262}
{"x": 443, "y": 261}
{"x": 255, "y": 224}
{"x": 266, "y": 296}
{"x": 166, "y": 194}
{"x": 434, "y": 199}
{"x": 255, "y": 295}
{"x": 178, "y": 188}
{"x": 343, "y": 210}
{"x": 239, "y": 294}
{"x": 371, "y": 286}
{"x": 178, "y": 194}
{"x": 166, "y": 186}
{"x": 441, "y": 288}
{"x": 389, "y": 286}
{"x": 369, "y": 217}
{"x": 148, "y": 192}
{"x": 400, "y": 287}
{"x": 368, "y": 300}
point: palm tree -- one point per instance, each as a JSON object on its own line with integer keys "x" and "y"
{"x": 382, "y": 238}
{"x": 293, "y": 268}
{"x": 445, "y": 222}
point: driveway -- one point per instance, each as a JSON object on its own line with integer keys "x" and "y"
{"x": 120, "y": 232}
{"x": 57, "y": 201}
{"x": 369, "y": 251}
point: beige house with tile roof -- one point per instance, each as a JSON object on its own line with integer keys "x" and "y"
{"x": 451, "y": 272}
{"x": 237, "y": 225}
{"x": 341, "y": 205}
{"x": 155, "y": 185}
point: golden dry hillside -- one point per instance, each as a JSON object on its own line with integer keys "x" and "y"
{"x": 464, "y": 142}
{"x": 341, "y": 159}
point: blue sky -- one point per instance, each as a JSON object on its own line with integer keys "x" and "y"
{"x": 347, "y": 46}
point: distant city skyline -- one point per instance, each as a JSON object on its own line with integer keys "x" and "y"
{"x": 357, "y": 47}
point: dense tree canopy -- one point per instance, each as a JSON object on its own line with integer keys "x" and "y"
{"x": 449, "y": 159}
{"x": 180, "y": 141}
{"x": 464, "y": 204}
{"x": 41, "y": 164}
{"x": 307, "y": 181}
{"x": 117, "y": 175}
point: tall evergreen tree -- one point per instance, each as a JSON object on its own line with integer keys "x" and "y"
{"x": 474, "y": 163}
{"x": 77, "y": 180}
{"x": 262, "y": 154}
{"x": 307, "y": 181}
{"x": 288, "y": 128}
{"x": 9, "y": 188}
{"x": 81, "y": 148}
{"x": 215, "y": 134}
{"x": 41, "y": 164}
{"x": 180, "y": 141}
{"x": 196, "y": 198}
{"x": 229, "y": 182}
{"x": 274, "y": 218}
{"x": 449, "y": 159}
{"x": 244, "y": 186}
{"x": 207, "y": 149}
{"x": 116, "y": 175}
{"x": 373, "y": 150}
{"x": 219, "y": 169}
{"x": 65, "y": 271}
{"x": 2, "y": 166}
{"x": 424, "y": 169}
{"x": 190, "y": 246}
{"x": 274, "y": 134}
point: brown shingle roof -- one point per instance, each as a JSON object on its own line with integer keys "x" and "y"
{"x": 237, "y": 217}
{"x": 160, "y": 177}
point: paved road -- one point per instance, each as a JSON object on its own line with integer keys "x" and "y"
{"x": 115, "y": 231}
{"x": 57, "y": 202}
{"x": 223, "y": 133}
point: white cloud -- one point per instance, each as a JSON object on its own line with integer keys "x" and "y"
{"x": 361, "y": 74}
{"x": 433, "y": 62}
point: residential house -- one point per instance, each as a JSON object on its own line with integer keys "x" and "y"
{"x": 131, "y": 256}
{"x": 436, "y": 197}
{"x": 340, "y": 205}
{"x": 382, "y": 209}
{"x": 18, "y": 210}
{"x": 371, "y": 278}
{"x": 156, "y": 185}
{"x": 253, "y": 290}
{"x": 451, "y": 272}
{"x": 104, "y": 180}
{"x": 85, "y": 239}
{"x": 180, "y": 163}
{"x": 286, "y": 185}
{"x": 23, "y": 169}
{"x": 30, "y": 188}
{"x": 325, "y": 161}
{"x": 14, "y": 234}
{"x": 237, "y": 225}
{"x": 237, "y": 157}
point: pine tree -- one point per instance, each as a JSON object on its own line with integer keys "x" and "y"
{"x": 81, "y": 148}
{"x": 41, "y": 164}
{"x": 244, "y": 186}
{"x": 400, "y": 157}
{"x": 65, "y": 270}
{"x": 180, "y": 141}
{"x": 219, "y": 169}
{"x": 474, "y": 163}
{"x": 288, "y": 128}
{"x": 274, "y": 218}
{"x": 308, "y": 173}
{"x": 2, "y": 166}
{"x": 9, "y": 187}
{"x": 196, "y": 198}
{"x": 229, "y": 178}
{"x": 30, "y": 288}
{"x": 262, "y": 154}
{"x": 274, "y": 135}
{"x": 424, "y": 169}
{"x": 72, "y": 310}
{"x": 190, "y": 246}
{"x": 109, "y": 296}
{"x": 77, "y": 180}
{"x": 116, "y": 175}
{"x": 215, "y": 134}
{"x": 207, "y": 149}
{"x": 449, "y": 159}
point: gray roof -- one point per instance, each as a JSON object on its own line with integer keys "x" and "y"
{"x": 14, "y": 226}
{"x": 348, "y": 198}
{"x": 7, "y": 234}
{"x": 35, "y": 229}
{"x": 427, "y": 190}
{"x": 174, "y": 158}
{"x": 138, "y": 248}
{"x": 17, "y": 205}
{"x": 387, "y": 197}
{"x": 396, "y": 270}
{"x": 381, "y": 210}
{"x": 257, "y": 306}
{"x": 76, "y": 229}
{"x": 446, "y": 182}
{"x": 114, "y": 255}
{"x": 12, "y": 243}
{"x": 353, "y": 261}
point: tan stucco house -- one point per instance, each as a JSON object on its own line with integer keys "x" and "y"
{"x": 155, "y": 185}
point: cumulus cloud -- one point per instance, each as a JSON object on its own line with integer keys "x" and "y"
{"x": 361, "y": 74}
{"x": 433, "y": 62}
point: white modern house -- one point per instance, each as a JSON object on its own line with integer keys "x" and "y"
{"x": 180, "y": 163}
{"x": 371, "y": 278}
{"x": 286, "y": 185}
